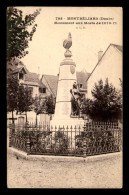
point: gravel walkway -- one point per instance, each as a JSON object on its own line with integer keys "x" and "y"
{"x": 23, "y": 173}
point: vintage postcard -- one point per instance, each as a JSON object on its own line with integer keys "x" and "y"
{"x": 64, "y": 97}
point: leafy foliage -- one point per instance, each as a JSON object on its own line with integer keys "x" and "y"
{"x": 12, "y": 92}
{"x": 38, "y": 105}
{"x": 18, "y": 35}
{"x": 50, "y": 104}
{"x": 97, "y": 142}
{"x": 25, "y": 99}
{"x": 44, "y": 105}
{"x": 62, "y": 141}
{"x": 106, "y": 104}
{"x": 18, "y": 98}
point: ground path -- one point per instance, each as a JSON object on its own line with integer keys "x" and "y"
{"x": 23, "y": 173}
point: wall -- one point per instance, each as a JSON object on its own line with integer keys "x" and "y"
{"x": 110, "y": 66}
{"x": 48, "y": 90}
{"x": 35, "y": 90}
{"x": 45, "y": 119}
{"x": 31, "y": 117}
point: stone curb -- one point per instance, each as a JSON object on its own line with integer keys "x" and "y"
{"x": 17, "y": 153}
{"x": 24, "y": 155}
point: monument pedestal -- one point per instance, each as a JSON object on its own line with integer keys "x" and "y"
{"x": 66, "y": 122}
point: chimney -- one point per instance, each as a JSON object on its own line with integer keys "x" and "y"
{"x": 39, "y": 75}
{"x": 100, "y": 53}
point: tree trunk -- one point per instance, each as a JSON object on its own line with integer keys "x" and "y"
{"x": 26, "y": 116}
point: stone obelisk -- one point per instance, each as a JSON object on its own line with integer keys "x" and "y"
{"x": 67, "y": 77}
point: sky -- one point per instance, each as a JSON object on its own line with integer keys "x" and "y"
{"x": 46, "y": 50}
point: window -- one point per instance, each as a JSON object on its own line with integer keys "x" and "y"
{"x": 42, "y": 90}
{"x": 80, "y": 85}
{"x": 21, "y": 76}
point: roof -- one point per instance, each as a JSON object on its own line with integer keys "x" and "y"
{"x": 41, "y": 84}
{"x": 82, "y": 77}
{"x": 19, "y": 70}
{"x": 15, "y": 64}
{"x": 33, "y": 79}
{"x": 30, "y": 83}
{"x": 118, "y": 47}
{"x": 52, "y": 82}
{"x": 30, "y": 78}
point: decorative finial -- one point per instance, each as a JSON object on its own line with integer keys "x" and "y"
{"x": 67, "y": 44}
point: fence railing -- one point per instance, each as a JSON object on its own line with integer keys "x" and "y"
{"x": 95, "y": 139}
{"x": 102, "y": 138}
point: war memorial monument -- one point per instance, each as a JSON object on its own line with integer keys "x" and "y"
{"x": 68, "y": 99}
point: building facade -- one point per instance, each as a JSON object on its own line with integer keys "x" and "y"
{"x": 109, "y": 66}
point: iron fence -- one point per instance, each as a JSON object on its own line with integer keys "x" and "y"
{"x": 102, "y": 138}
{"x": 18, "y": 140}
{"x": 94, "y": 139}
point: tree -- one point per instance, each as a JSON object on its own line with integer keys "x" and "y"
{"x": 39, "y": 105}
{"x": 20, "y": 31}
{"x": 25, "y": 100}
{"x": 50, "y": 104}
{"x": 18, "y": 98}
{"x": 44, "y": 105}
{"x": 12, "y": 94}
{"x": 18, "y": 35}
{"x": 106, "y": 104}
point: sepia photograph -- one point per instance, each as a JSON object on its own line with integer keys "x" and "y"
{"x": 64, "y": 69}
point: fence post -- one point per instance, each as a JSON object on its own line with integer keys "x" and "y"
{"x": 27, "y": 138}
{"x": 13, "y": 128}
{"x": 27, "y": 126}
{"x": 28, "y": 144}
{"x": 10, "y": 134}
{"x": 84, "y": 147}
